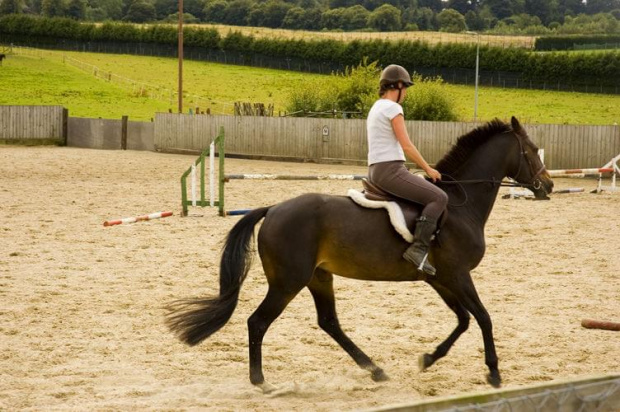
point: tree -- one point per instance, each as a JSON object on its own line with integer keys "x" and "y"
{"x": 488, "y": 18}
{"x": 336, "y": 4}
{"x": 601, "y": 6}
{"x": 193, "y": 7}
{"x": 257, "y": 14}
{"x": 11, "y": 7}
{"x": 76, "y": 9}
{"x": 385, "y": 18}
{"x": 275, "y": 10}
{"x": 140, "y": 11}
{"x": 435, "y": 5}
{"x": 238, "y": 12}
{"x": 505, "y": 8}
{"x": 52, "y": 8}
{"x": 104, "y": 9}
{"x": 32, "y": 6}
{"x": 302, "y": 19}
{"x": 451, "y": 21}
{"x": 187, "y": 18}
{"x": 215, "y": 11}
{"x": 294, "y": 19}
{"x": 355, "y": 18}
{"x": 165, "y": 8}
{"x": 523, "y": 21}
{"x": 332, "y": 19}
{"x": 546, "y": 10}
{"x": 462, "y": 6}
{"x": 425, "y": 19}
{"x": 570, "y": 7}
{"x": 474, "y": 21}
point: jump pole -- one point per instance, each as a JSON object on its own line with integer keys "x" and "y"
{"x": 610, "y": 167}
{"x": 135, "y": 219}
{"x": 598, "y": 324}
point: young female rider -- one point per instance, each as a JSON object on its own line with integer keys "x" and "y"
{"x": 388, "y": 143}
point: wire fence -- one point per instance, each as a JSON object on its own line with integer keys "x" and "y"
{"x": 136, "y": 88}
{"x": 450, "y": 75}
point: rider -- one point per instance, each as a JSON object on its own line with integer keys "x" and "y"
{"x": 388, "y": 143}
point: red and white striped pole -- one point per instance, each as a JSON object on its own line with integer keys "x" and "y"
{"x": 566, "y": 172}
{"x": 151, "y": 216}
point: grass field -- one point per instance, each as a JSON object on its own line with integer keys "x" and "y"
{"x": 45, "y": 79}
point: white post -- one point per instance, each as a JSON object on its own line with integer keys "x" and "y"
{"x": 211, "y": 173}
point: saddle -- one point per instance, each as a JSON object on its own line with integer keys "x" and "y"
{"x": 403, "y": 213}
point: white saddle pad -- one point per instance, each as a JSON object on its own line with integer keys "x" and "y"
{"x": 396, "y": 214}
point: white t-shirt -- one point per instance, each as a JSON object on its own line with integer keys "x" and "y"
{"x": 382, "y": 143}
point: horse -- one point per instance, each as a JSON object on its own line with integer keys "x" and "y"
{"x": 304, "y": 241}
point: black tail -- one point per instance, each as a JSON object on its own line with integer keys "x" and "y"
{"x": 194, "y": 320}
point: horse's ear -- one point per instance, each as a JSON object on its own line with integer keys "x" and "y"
{"x": 516, "y": 126}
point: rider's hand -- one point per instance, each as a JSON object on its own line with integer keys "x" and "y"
{"x": 433, "y": 174}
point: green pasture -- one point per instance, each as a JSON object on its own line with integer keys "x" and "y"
{"x": 46, "y": 80}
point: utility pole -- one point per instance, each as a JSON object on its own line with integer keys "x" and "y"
{"x": 477, "y": 71}
{"x": 180, "y": 36}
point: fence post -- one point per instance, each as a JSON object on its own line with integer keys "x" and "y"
{"x": 124, "y": 132}
{"x": 65, "y": 126}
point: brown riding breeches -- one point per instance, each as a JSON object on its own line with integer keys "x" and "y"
{"x": 394, "y": 178}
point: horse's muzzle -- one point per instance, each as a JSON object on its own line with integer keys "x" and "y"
{"x": 542, "y": 187}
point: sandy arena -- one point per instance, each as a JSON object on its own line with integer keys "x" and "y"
{"x": 81, "y": 315}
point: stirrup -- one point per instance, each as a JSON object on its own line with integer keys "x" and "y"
{"x": 429, "y": 267}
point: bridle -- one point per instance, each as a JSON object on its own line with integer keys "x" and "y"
{"x": 535, "y": 182}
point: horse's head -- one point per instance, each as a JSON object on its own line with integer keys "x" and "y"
{"x": 529, "y": 170}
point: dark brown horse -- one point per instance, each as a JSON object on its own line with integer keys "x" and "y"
{"x": 304, "y": 241}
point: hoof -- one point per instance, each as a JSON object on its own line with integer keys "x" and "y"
{"x": 494, "y": 379}
{"x": 267, "y": 388}
{"x": 425, "y": 361}
{"x": 379, "y": 376}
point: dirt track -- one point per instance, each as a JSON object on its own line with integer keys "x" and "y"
{"x": 81, "y": 304}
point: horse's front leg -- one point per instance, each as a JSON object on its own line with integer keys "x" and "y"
{"x": 426, "y": 360}
{"x": 465, "y": 291}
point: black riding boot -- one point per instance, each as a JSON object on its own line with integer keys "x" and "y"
{"x": 417, "y": 253}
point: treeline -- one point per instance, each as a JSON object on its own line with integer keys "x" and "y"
{"x": 577, "y": 68}
{"x": 499, "y": 16}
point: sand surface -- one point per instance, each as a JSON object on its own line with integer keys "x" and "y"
{"x": 81, "y": 305}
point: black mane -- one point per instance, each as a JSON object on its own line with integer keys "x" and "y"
{"x": 468, "y": 143}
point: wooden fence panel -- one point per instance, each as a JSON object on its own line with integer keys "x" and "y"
{"x": 32, "y": 124}
{"x": 341, "y": 140}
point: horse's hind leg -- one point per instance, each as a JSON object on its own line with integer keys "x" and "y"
{"x": 463, "y": 316}
{"x": 322, "y": 291}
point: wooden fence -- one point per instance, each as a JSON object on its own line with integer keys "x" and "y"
{"x": 301, "y": 139}
{"x": 33, "y": 124}
{"x": 338, "y": 140}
